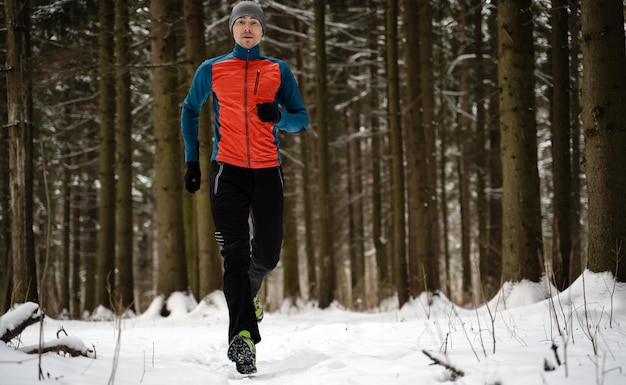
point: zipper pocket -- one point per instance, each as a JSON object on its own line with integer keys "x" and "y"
{"x": 217, "y": 178}
{"x": 281, "y": 177}
{"x": 256, "y": 82}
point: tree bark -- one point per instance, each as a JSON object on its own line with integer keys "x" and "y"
{"x": 20, "y": 120}
{"x": 172, "y": 270}
{"x": 577, "y": 263}
{"x": 209, "y": 261}
{"x": 326, "y": 254}
{"x": 521, "y": 232}
{"x": 604, "y": 123}
{"x": 65, "y": 257}
{"x": 464, "y": 137}
{"x": 429, "y": 125}
{"x": 561, "y": 156}
{"x": 105, "y": 276}
{"x": 481, "y": 155}
{"x": 5, "y": 233}
{"x": 307, "y": 154}
{"x": 491, "y": 266}
{"x": 416, "y": 157}
{"x": 76, "y": 201}
{"x": 89, "y": 243}
{"x": 124, "y": 203}
{"x": 382, "y": 271}
{"x": 397, "y": 155}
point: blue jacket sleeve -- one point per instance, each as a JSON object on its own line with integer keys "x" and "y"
{"x": 196, "y": 97}
{"x": 294, "y": 117}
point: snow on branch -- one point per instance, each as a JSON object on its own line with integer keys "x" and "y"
{"x": 14, "y": 322}
{"x": 443, "y": 361}
{"x": 72, "y": 346}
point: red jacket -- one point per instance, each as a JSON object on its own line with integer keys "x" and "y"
{"x": 238, "y": 82}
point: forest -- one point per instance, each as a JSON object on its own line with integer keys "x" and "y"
{"x": 453, "y": 146}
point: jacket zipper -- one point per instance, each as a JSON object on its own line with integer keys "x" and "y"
{"x": 256, "y": 82}
{"x": 245, "y": 107}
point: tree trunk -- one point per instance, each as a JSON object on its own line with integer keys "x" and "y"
{"x": 89, "y": 241}
{"x": 561, "y": 163}
{"x": 289, "y": 253}
{"x": 65, "y": 268}
{"x": 464, "y": 137}
{"x": 209, "y": 261}
{"x": 326, "y": 253}
{"x": 604, "y": 119}
{"x": 415, "y": 156}
{"x": 294, "y": 201}
{"x": 481, "y": 155}
{"x": 20, "y": 118}
{"x": 5, "y": 233}
{"x": 307, "y": 154}
{"x": 105, "y": 277}
{"x": 397, "y": 157}
{"x": 172, "y": 270}
{"x": 491, "y": 266}
{"x": 576, "y": 260}
{"x": 355, "y": 160}
{"x": 76, "y": 199}
{"x": 521, "y": 232}
{"x": 124, "y": 204}
{"x": 382, "y": 273}
{"x": 429, "y": 126}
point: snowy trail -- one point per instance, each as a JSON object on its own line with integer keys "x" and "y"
{"x": 334, "y": 346}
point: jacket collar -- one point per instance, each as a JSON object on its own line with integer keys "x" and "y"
{"x": 242, "y": 53}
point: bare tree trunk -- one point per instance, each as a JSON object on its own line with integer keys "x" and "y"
{"x": 577, "y": 256}
{"x": 206, "y": 252}
{"x": 491, "y": 265}
{"x": 105, "y": 277}
{"x": 464, "y": 137}
{"x": 327, "y": 282}
{"x": 5, "y": 233}
{"x": 382, "y": 274}
{"x": 419, "y": 236}
{"x": 356, "y": 232}
{"x": 306, "y": 154}
{"x": 429, "y": 125}
{"x": 89, "y": 242}
{"x": 64, "y": 284}
{"x": 521, "y": 233}
{"x": 481, "y": 155}
{"x": 289, "y": 253}
{"x": 604, "y": 119}
{"x": 20, "y": 118}
{"x": 172, "y": 270}
{"x": 124, "y": 203}
{"x": 561, "y": 158}
{"x": 190, "y": 204}
{"x": 397, "y": 172}
{"x": 76, "y": 199}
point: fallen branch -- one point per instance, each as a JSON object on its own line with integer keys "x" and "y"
{"x": 454, "y": 372}
{"x": 68, "y": 345}
{"x": 13, "y": 323}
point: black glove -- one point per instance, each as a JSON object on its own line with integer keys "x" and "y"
{"x": 192, "y": 177}
{"x": 268, "y": 112}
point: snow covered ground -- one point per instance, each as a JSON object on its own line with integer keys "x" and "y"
{"x": 305, "y": 345}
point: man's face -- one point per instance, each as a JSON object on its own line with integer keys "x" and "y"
{"x": 247, "y": 31}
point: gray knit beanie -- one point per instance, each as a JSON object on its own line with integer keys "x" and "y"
{"x": 247, "y": 8}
